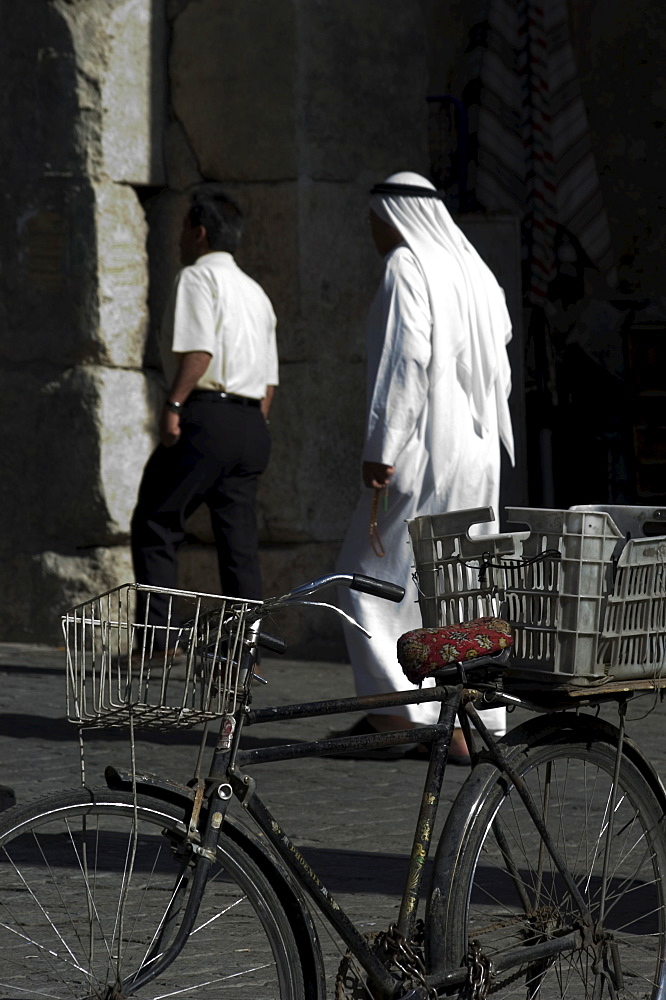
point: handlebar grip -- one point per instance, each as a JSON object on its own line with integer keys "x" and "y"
{"x": 272, "y": 642}
{"x": 378, "y": 588}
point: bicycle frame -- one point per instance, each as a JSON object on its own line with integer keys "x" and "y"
{"x": 440, "y": 737}
{"x": 227, "y": 779}
{"x": 232, "y": 655}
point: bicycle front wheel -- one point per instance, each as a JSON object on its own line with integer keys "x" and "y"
{"x": 497, "y": 889}
{"x": 93, "y": 888}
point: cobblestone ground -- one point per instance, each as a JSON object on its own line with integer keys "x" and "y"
{"x": 354, "y": 819}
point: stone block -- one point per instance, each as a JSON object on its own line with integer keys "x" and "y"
{"x": 340, "y": 268}
{"x": 234, "y": 79}
{"x": 365, "y": 77}
{"x": 122, "y": 274}
{"x": 312, "y": 481}
{"x": 197, "y": 568}
{"x": 198, "y": 528}
{"x": 50, "y": 454}
{"x": 74, "y": 445}
{"x": 48, "y": 275}
{"x": 76, "y": 280}
{"x": 164, "y": 215}
{"x": 309, "y": 632}
{"x": 182, "y": 168}
{"x": 39, "y": 105}
{"x": 270, "y": 253}
{"x": 134, "y": 91}
{"x": 126, "y": 419}
{"x": 46, "y": 584}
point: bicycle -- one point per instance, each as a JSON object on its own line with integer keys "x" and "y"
{"x": 147, "y": 888}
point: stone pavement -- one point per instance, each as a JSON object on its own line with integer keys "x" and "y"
{"x": 353, "y": 818}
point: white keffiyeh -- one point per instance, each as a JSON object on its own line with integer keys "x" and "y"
{"x": 471, "y": 323}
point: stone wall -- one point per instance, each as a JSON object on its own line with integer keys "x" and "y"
{"x": 81, "y": 128}
{"x": 115, "y": 108}
{"x": 620, "y": 48}
{"x": 305, "y": 117}
{"x": 298, "y": 108}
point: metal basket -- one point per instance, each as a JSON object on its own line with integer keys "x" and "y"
{"x": 587, "y": 604}
{"x": 124, "y": 669}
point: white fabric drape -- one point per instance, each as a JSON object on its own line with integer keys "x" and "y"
{"x": 438, "y": 381}
{"x": 471, "y": 322}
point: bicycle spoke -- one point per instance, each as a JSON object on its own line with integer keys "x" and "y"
{"x": 623, "y": 862}
{"x": 67, "y": 873}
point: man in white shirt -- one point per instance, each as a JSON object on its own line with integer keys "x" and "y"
{"x": 219, "y": 356}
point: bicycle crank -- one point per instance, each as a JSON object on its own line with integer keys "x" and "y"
{"x": 401, "y": 958}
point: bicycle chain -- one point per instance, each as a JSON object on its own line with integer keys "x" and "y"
{"x": 350, "y": 982}
{"x": 481, "y": 982}
{"x": 534, "y": 915}
{"x": 475, "y": 955}
{"x": 407, "y": 958}
{"x": 479, "y": 973}
{"x": 403, "y": 958}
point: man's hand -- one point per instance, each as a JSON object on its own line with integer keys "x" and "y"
{"x": 191, "y": 366}
{"x": 376, "y": 475}
{"x": 169, "y": 428}
{"x": 267, "y": 401}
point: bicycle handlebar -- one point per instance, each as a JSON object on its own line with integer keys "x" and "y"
{"x": 301, "y": 595}
{"x": 378, "y": 588}
{"x": 355, "y": 581}
{"x": 272, "y": 642}
{"x": 254, "y": 612}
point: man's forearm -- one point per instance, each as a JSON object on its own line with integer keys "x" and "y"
{"x": 190, "y": 369}
{"x": 267, "y": 401}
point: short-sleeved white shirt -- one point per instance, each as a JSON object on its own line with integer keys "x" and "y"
{"x": 217, "y": 308}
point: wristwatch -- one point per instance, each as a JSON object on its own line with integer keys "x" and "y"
{"x": 173, "y": 407}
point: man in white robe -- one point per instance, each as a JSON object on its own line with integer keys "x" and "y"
{"x": 438, "y": 382}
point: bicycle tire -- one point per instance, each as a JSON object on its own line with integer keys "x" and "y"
{"x": 567, "y": 762}
{"x": 84, "y": 892}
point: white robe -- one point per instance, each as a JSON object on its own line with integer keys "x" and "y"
{"x": 443, "y": 461}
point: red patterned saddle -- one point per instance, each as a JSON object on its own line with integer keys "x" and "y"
{"x": 424, "y": 650}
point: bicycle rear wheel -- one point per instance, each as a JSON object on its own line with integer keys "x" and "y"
{"x": 92, "y": 890}
{"x": 495, "y": 883}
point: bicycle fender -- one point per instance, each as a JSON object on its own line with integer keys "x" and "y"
{"x": 289, "y": 894}
{"x": 585, "y": 727}
{"x": 294, "y": 905}
{"x": 529, "y": 733}
{"x": 120, "y": 780}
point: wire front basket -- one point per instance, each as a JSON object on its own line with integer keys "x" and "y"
{"x": 154, "y": 658}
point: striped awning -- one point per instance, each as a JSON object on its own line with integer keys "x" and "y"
{"x": 530, "y": 148}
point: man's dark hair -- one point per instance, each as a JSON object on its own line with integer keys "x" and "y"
{"x": 219, "y": 214}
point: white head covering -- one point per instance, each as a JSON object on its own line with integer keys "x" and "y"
{"x": 471, "y": 322}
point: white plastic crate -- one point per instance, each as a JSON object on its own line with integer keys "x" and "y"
{"x": 574, "y": 622}
{"x": 633, "y": 638}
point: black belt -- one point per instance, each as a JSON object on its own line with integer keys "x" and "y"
{"x": 222, "y": 397}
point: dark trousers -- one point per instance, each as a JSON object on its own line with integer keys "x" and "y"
{"x": 222, "y": 451}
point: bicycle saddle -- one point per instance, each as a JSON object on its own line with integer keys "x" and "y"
{"x": 424, "y": 650}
